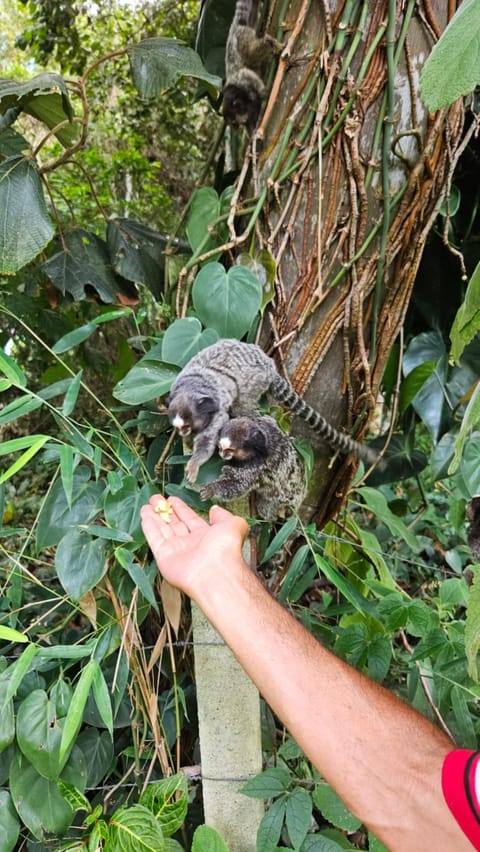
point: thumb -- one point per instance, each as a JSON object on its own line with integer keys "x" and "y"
{"x": 218, "y": 515}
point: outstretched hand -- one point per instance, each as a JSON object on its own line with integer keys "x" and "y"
{"x": 187, "y": 548}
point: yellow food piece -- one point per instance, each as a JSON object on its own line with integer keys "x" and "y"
{"x": 164, "y": 510}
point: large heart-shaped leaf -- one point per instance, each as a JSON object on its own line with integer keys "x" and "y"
{"x": 184, "y": 338}
{"x": 39, "y": 733}
{"x": 25, "y": 225}
{"x": 38, "y": 801}
{"x": 227, "y": 301}
{"x": 453, "y": 67}
{"x": 57, "y": 516}
{"x": 80, "y": 562}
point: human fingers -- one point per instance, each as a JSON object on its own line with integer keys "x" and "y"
{"x": 186, "y": 515}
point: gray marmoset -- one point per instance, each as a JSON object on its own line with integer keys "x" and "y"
{"x": 261, "y": 459}
{"x": 227, "y": 379}
{"x": 246, "y": 56}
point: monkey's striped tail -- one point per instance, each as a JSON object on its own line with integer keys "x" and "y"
{"x": 335, "y": 439}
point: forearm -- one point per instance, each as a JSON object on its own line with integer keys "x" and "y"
{"x": 386, "y": 764}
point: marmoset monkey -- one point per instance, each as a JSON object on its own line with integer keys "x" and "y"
{"x": 227, "y": 379}
{"x": 260, "y": 459}
{"x": 245, "y": 59}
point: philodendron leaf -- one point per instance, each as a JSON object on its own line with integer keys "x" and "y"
{"x": 80, "y": 562}
{"x": 184, "y": 338}
{"x": 39, "y": 733}
{"x": 158, "y": 63}
{"x": 227, "y": 301}
{"x": 453, "y": 67}
{"x": 9, "y": 823}
{"x": 25, "y": 225}
{"x": 38, "y": 801}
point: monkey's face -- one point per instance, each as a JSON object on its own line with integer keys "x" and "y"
{"x": 241, "y": 106}
{"x": 191, "y": 415}
{"x": 241, "y": 441}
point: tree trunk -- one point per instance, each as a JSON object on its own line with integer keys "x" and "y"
{"x": 349, "y": 169}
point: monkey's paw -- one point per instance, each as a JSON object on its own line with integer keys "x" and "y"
{"x": 191, "y": 471}
{"x": 207, "y": 492}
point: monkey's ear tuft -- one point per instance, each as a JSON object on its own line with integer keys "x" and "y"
{"x": 258, "y": 440}
{"x": 207, "y": 405}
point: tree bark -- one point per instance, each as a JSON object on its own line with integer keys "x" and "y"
{"x": 349, "y": 169}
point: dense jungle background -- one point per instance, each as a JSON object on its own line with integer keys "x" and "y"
{"x": 137, "y": 229}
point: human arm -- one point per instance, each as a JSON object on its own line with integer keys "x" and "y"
{"x": 382, "y": 757}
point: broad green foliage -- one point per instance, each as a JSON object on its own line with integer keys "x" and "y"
{"x": 25, "y": 224}
{"x": 467, "y": 321}
{"x": 93, "y": 706}
{"x": 158, "y": 64}
{"x": 452, "y": 69}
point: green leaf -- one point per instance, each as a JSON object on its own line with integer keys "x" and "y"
{"x": 18, "y": 670}
{"x": 453, "y": 67}
{"x": 470, "y": 419}
{"x": 122, "y": 508}
{"x": 298, "y": 815}
{"x": 137, "y": 575}
{"x": 333, "y": 809}
{"x": 299, "y": 576}
{"x": 7, "y": 725}
{"x": 168, "y": 801}
{"x": 12, "y": 91}
{"x": 101, "y": 695}
{"x": 134, "y": 829}
{"x": 467, "y": 320}
{"x": 38, "y": 801}
{"x": 57, "y": 517}
{"x": 66, "y": 470}
{"x": 19, "y": 407}
{"x": 270, "y": 827}
{"x": 9, "y": 824}
{"x": 472, "y": 625}
{"x": 206, "y": 839}
{"x": 34, "y": 443}
{"x": 8, "y": 634}
{"x": 25, "y": 225}
{"x": 74, "y": 717}
{"x": 279, "y": 539}
{"x": 463, "y": 717}
{"x": 344, "y": 586}
{"x": 268, "y": 784}
{"x": 147, "y": 380}
{"x": 206, "y": 226}
{"x": 183, "y": 339}
{"x": 158, "y": 63}
{"x": 10, "y": 369}
{"x": 81, "y": 263}
{"x": 138, "y": 253}
{"x": 376, "y": 503}
{"x": 80, "y": 562}
{"x": 74, "y": 338}
{"x": 51, "y": 110}
{"x": 99, "y": 754}
{"x": 39, "y": 733}
{"x": 414, "y": 382}
{"x": 227, "y": 301}
{"x": 71, "y": 395}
